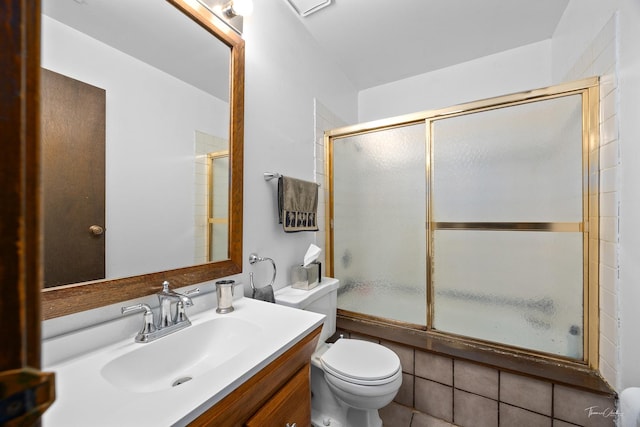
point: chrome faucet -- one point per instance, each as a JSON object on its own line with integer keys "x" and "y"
{"x": 166, "y": 323}
{"x": 165, "y": 297}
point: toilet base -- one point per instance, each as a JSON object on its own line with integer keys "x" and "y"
{"x": 322, "y": 420}
{"x": 327, "y": 410}
{"x": 354, "y": 418}
{"x": 358, "y": 417}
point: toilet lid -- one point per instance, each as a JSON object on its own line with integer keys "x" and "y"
{"x": 360, "y": 360}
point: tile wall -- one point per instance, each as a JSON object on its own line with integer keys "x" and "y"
{"x": 600, "y": 58}
{"x": 448, "y": 391}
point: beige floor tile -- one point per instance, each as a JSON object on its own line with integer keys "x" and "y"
{"x": 424, "y": 420}
{"x": 395, "y": 415}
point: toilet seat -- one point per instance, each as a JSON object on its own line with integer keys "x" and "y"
{"x": 361, "y": 362}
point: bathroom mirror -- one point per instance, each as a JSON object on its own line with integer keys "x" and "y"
{"x": 222, "y": 119}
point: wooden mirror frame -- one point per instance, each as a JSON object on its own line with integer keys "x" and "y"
{"x": 69, "y": 299}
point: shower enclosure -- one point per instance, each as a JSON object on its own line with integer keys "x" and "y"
{"x": 478, "y": 222}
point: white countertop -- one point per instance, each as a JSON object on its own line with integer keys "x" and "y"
{"x": 84, "y": 397}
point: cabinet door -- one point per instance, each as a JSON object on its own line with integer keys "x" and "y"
{"x": 290, "y": 406}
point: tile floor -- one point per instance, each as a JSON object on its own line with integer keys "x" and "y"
{"x": 396, "y": 415}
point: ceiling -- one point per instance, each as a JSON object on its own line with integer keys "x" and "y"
{"x": 373, "y": 41}
{"x": 376, "y": 41}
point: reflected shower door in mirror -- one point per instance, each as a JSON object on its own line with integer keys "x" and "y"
{"x": 218, "y": 230}
{"x": 166, "y": 81}
{"x": 212, "y": 183}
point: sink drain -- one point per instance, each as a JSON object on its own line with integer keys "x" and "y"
{"x": 181, "y": 381}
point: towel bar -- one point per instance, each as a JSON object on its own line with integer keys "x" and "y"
{"x": 268, "y": 176}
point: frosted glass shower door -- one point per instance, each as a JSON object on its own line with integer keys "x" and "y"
{"x": 507, "y": 217}
{"x": 379, "y": 203}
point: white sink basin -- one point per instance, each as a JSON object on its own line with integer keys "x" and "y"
{"x": 130, "y": 381}
{"x": 182, "y": 356}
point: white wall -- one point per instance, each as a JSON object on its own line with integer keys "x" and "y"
{"x": 578, "y": 27}
{"x": 515, "y": 70}
{"x": 150, "y": 138}
{"x": 285, "y": 70}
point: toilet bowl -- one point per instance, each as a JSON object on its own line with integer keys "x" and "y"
{"x": 363, "y": 377}
{"x": 350, "y": 379}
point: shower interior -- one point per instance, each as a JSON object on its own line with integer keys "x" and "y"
{"x": 473, "y": 221}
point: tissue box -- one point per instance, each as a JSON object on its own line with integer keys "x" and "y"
{"x": 306, "y": 277}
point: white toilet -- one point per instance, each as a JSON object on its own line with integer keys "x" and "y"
{"x": 629, "y": 407}
{"x": 350, "y": 379}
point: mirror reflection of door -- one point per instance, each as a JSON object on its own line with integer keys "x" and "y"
{"x": 218, "y": 231}
{"x": 73, "y": 180}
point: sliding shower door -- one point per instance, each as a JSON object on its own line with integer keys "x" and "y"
{"x": 379, "y": 205}
{"x": 507, "y": 219}
{"x": 477, "y": 222}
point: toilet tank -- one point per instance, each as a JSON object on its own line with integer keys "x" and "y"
{"x": 322, "y": 299}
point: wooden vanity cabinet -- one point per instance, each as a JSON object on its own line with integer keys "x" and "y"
{"x": 291, "y": 406}
{"x": 278, "y": 394}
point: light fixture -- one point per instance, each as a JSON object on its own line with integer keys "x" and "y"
{"x": 238, "y": 8}
{"x": 230, "y": 11}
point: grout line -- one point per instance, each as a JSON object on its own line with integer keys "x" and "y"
{"x": 499, "y": 394}
{"x": 413, "y": 373}
{"x": 553, "y": 404}
{"x": 453, "y": 391}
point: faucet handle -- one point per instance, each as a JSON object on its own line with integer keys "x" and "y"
{"x": 192, "y": 291}
{"x": 136, "y": 307}
{"x": 148, "y": 326}
{"x": 166, "y": 290}
{"x": 181, "y": 315}
{"x": 185, "y": 296}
